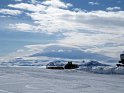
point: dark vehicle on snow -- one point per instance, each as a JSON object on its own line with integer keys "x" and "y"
{"x": 121, "y": 62}
{"x": 69, "y": 65}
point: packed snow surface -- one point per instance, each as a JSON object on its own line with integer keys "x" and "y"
{"x": 41, "y": 80}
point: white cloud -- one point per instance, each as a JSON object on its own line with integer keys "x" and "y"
{"x": 29, "y": 7}
{"x": 38, "y": 48}
{"x": 3, "y": 16}
{"x": 113, "y": 8}
{"x": 22, "y": 27}
{"x": 18, "y": 0}
{"x": 20, "y": 50}
{"x": 86, "y": 39}
{"x": 106, "y": 44}
{"x": 96, "y": 30}
{"x": 50, "y": 19}
{"x": 10, "y": 12}
{"x": 53, "y": 19}
{"x": 113, "y": 51}
{"x": 33, "y": 1}
{"x": 93, "y": 3}
{"x": 61, "y": 50}
{"x": 56, "y": 3}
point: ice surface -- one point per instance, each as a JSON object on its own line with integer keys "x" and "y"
{"x": 39, "y": 80}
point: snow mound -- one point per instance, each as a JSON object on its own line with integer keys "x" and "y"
{"x": 55, "y": 63}
{"x": 93, "y": 63}
{"x": 103, "y": 69}
{"x": 108, "y": 70}
{"x": 100, "y": 68}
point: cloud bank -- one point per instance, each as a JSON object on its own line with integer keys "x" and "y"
{"x": 97, "y": 31}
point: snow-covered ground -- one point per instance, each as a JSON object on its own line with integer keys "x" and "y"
{"x": 41, "y": 80}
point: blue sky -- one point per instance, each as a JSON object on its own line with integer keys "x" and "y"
{"x": 92, "y": 26}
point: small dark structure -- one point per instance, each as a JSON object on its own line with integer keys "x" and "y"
{"x": 69, "y": 65}
{"x": 55, "y": 67}
{"x": 121, "y": 62}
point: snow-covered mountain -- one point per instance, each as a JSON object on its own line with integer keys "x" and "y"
{"x": 69, "y": 52}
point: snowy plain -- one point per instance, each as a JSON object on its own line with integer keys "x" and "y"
{"x": 41, "y": 80}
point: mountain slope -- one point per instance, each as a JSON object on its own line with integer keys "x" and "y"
{"x": 58, "y": 51}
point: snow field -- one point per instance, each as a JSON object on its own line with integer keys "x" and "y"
{"x": 40, "y": 80}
